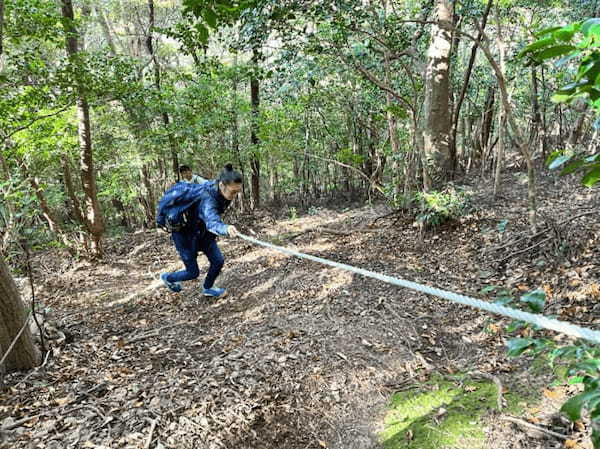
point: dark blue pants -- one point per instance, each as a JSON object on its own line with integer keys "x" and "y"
{"x": 188, "y": 246}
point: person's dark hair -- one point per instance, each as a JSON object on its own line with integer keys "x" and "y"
{"x": 229, "y": 175}
{"x": 184, "y": 168}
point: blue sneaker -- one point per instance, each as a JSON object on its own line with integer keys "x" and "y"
{"x": 215, "y": 292}
{"x": 173, "y": 286}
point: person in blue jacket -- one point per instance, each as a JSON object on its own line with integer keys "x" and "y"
{"x": 199, "y": 233}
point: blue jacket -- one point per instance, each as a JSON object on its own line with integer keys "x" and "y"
{"x": 207, "y": 212}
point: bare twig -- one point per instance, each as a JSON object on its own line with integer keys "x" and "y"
{"x": 149, "y": 439}
{"x": 523, "y": 423}
{"x": 525, "y": 250}
{"x": 494, "y": 379}
{"x": 16, "y": 424}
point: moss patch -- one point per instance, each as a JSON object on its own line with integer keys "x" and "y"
{"x": 443, "y": 413}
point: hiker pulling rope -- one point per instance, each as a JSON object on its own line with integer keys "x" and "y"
{"x": 538, "y": 320}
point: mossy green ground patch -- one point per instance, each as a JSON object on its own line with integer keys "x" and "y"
{"x": 442, "y": 414}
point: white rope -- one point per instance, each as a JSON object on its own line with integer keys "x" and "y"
{"x": 538, "y": 320}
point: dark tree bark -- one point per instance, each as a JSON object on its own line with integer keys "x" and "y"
{"x": 255, "y": 162}
{"x": 467, "y": 78}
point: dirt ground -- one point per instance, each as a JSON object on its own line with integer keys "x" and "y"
{"x": 300, "y": 355}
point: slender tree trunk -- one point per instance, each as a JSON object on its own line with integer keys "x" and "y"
{"x": 70, "y": 190}
{"x": 467, "y": 79}
{"x": 536, "y": 120}
{"x": 106, "y": 29}
{"x": 437, "y": 164}
{"x": 487, "y": 123}
{"x": 24, "y": 355}
{"x": 255, "y": 162}
{"x": 501, "y": 114}
{"x": 517, "y": 136}
{"x": 1, "y": 26}
{"x": 53, "y": 221}
{"x": 93, "y": 219}
{"x": 575, "y": 133}
{"x": 235, "y": 134}
{"x": 164, "y": 115}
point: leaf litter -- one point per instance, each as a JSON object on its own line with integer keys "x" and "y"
{"x": 298, "y": 355}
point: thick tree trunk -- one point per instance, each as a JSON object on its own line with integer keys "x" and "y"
{"x": 24, "y": 355}
{"x": 437, "y": 163}
{"x": 93, "y": 219}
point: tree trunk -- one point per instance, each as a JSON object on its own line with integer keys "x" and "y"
{"x": 517, "y": 135}
{"x": 235, "y": 134}
{"x": 106, "y": 29}
{"x": 575, "y": 133}
{"x": 255, "y": 162}
{"x": 53, "y": 221}
{"x": 164, "y": 115}
{"x": 467, "y": 78}
{"x": 437, "y": 163}
{"x": 1, "y": 25}
{"x": 487, "y": 122}
{"x": 24, "y": 355}
{"x": 93, "y": 218}
{"x": 536, "y": 120}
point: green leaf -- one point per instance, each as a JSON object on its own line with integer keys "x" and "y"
{"x": 575, "y": 380}
{"x": 489, "y": 288}
{"x": 570, "y": 168}
{"x": 573, "y": 407}
{"x": 589, "y": 366}
{"x": 202, "y": 32}
{"x": 596, "y": 435}
{"x": 562, "y": 61}
{"x": 566, "y": 33}
{"x": 535, "y": 300}
{"x": 591, "y": 177}
{"x": 553, "y": 52}
{"x": 553, "y": 156}
{"x": 537, "y": 45}
{"x": 561, "y": 98}
{"x": 503, "y": 301}
{"x": 547, "y": 31}
{"x": 557, "y": 162}
{"x": 210, "y": 17}
{"x": 517, "y": 346}
{"x": 591, "y": 27}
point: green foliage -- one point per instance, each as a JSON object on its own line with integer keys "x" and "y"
{"x": 581, "y": 359}
{"x": 571, "y": 162}
{"x": 439, "y": 207}
{"x": 578, "y": 44}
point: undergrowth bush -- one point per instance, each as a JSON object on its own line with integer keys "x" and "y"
{"x": 580, "y": 360}
{"x": 438, "y": 207}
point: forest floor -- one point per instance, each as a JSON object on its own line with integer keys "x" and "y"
{"x": 301, "y": 355}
